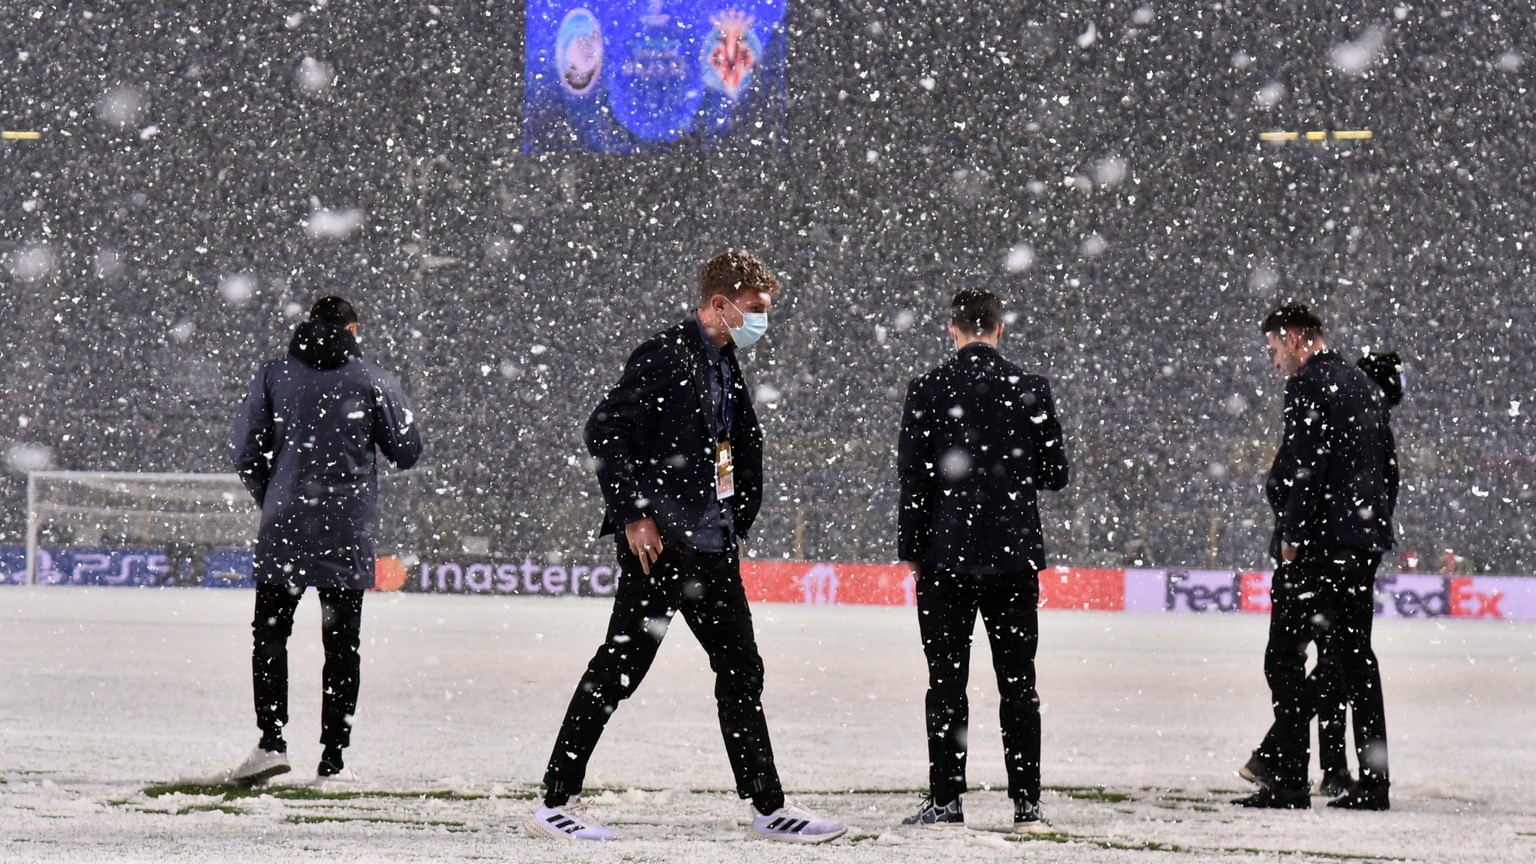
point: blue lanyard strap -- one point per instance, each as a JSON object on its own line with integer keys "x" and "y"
{"x": 726, "y": 424}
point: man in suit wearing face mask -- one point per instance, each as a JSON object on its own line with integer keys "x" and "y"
{"x": 679, "y": 456}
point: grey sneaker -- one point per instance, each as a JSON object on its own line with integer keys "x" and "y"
{"x": 931, "y": 814}
{"x": 1028, "y": 818}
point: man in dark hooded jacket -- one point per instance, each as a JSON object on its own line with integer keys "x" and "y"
{"x": 305, "y": 445}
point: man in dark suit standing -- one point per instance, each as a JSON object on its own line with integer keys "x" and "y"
{"x": 979, "y": 438}
{"x": 679, "y": 456}
{"x": 1333, "y": 488}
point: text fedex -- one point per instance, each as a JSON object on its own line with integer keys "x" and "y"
{"x": 1396, "y": 595}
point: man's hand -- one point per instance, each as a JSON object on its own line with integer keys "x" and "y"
{"x": 645, "y": 541}
{"x": 917, "y": 570}
{"x": 1287, "y": 552}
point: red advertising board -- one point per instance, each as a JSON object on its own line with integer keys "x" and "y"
{"x": 823, "y": 582}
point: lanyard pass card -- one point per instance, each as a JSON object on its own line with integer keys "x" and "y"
{"x": 725, "y": 471}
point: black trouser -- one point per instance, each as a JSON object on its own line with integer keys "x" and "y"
{"x": 341, "y": 621}
{"x": 706, "y": 588}
{"x": 1337, "y": 595}
{"x": 1329, "y": 703}
{"x": 947, "y": 603}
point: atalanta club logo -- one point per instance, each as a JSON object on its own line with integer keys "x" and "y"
{"x": 731, "y": 52}
{"x": 579, "y": 52}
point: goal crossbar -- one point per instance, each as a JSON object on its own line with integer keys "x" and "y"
{"x": 145, "y": 500}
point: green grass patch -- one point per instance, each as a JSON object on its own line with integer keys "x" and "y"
{"x": 860, "y": 838}
{"x": 377, "y": 820}
{"x": 1091, "y": 793}
{"x": 305, "y": 793}
{"x": 1187, "y": 799}
{"x": 211, "y": 808}
{"x": 1113, "y": 845}
{"x": 1334, "y": 856}
{"x": 806, "y": 793}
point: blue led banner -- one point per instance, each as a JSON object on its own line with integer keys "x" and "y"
{"x": 188, "y": 566}
{"x": 654, "y": 76}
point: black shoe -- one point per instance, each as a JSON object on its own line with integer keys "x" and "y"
{"x": 1027, "y": 818}
{"x": 1361, "y": 798}
{"x": 1276, "y": 798}
{"x": 931, "y": 814}
{"x": 331, "y": 763}
{"x": 1336, "y": 783}
{"x": 1255, "y": 771}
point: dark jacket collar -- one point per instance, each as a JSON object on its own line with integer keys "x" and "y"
{"x": 694, "y": 331}
{"x": 323, "y": 346}
{"x": 979, "y": 349}
{"x": 1324, "y": 357}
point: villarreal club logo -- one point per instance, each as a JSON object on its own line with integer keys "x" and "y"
{"x": 579, "y": 52}
{"x": 731, "y": 52}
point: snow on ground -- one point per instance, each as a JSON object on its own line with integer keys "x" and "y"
{"x": 112, "y": 701}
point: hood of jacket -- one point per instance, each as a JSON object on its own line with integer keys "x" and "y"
{"x": 323, "y": 346}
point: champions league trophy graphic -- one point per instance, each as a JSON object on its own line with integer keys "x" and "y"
{"x": 655, "y": 91}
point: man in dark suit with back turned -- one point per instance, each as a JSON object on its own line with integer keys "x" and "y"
{"x": 679, "y": 457}
{"x": 979, "y": 437}
{"x": 1332, "y": 487}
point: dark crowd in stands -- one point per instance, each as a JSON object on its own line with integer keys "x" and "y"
{"x": 1098, "y": 164}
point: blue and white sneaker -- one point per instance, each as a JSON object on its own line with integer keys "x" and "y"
{"x": 1028, "y": 818}
{"x": 569, "y": 821}
{"x": 795, "y": 824}
{"x": 932, "y": 814}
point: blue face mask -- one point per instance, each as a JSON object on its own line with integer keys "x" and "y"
{"x": 753, "y": 326}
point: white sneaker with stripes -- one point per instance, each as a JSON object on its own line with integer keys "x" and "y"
{"x": 569, "y": 821}
{"x": 795, "y": 824}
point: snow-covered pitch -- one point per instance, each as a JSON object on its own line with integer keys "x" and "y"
{"x": 114, "y": 702}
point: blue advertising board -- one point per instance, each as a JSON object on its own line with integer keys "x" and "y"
{"x": 206, "y": 568}
{"x": 654, "y": 76}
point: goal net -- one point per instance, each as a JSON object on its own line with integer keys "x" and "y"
{"x": 114, "y": 528}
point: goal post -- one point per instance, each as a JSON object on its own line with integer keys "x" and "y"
{"x": 132, "y": 510}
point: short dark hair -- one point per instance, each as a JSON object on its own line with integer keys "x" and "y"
{"x": 333, "y": 310}
{"x": 976, "y": 312}
{"x": 734, "y": 273}
{"x": 1293, "y": 317}
{"x": 1386, "y": 370}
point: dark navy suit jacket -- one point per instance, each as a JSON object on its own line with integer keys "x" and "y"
{"x": 1333, "y": 484}
{"x": 979, "y": 439}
